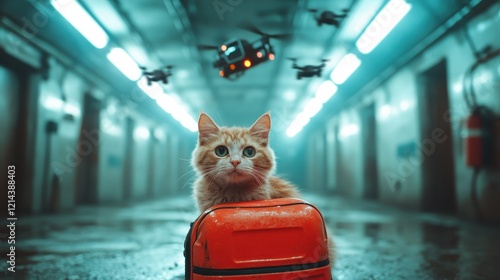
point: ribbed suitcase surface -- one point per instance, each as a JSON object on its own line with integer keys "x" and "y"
{"x": 269, "y": 239}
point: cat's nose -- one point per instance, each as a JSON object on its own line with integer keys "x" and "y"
{"x": 235, "y": 162}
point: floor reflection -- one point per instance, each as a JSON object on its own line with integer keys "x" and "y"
{"x": 145, "y": 241}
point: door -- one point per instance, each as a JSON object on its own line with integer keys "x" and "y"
{"x": 339, "y": 183}
{"x": 86, "y": 190}
{"x": 128, "y": 159}
{"x": 438, "y": 191}
{"x": 9, "y": 121}
{"x": 18, "y": 110}
{"x": 152, "y": 151}
{"x": 369, "y": 138}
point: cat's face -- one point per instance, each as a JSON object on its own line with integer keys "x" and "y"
{"x": 235, "y": 155}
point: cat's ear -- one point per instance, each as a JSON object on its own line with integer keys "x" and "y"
{"x": 206, "y": 128}
{"x": 261, "y": 128}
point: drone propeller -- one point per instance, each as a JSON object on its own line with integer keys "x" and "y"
{"x": 282, "y": 11}
{"x": 208, "y": 47}
{"x": 142, "y": 68}
{"x": 292, "y": 59}
{"x": 168, "y": 67}
{"x": 344, "y": 11}
{"x": 324, "y": 60}
{"x": 254, "y": 29}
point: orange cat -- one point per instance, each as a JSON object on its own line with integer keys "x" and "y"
{"x": 236, "y": 164}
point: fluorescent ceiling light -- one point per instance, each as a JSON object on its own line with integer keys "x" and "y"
{"x": 170, "y": 105}
{"x": 312, "y": 107}
{"x": 124, "y": 63}
{"x": 392, "y": 13}
{"x": 296, "y": 126}
{"x": 187, "y": 121}
{"x": 344, "y": 69}
{"x": 325, "y": 91}
{"x": 166, "y": 102}
{"x": 292, "y": 131}
{"x": 77, "y": 16}
{"x": 302, "y": 119}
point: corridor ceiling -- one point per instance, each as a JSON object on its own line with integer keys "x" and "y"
{"x": 167, "y": 32}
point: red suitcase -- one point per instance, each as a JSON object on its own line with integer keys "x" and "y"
{"x": 281, "y": 238}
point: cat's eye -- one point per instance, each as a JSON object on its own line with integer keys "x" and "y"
{"x": 221, "y": 151}
{"x": 249, "y": 152}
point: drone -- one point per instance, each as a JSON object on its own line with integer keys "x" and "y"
{"x": 308, "y": 70}
{"x": 236, "y": 56}
{"x": 157, "y": 75}
{"x": 328, "y": 17}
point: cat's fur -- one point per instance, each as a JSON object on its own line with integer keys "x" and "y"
{"x": 223, "y": 179}
{"x": 236, "y": 177}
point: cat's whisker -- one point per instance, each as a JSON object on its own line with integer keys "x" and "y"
{"x": 190, "y": 171}
{"x": 259, "y": 171}
{"x": 189, "y": 181}
{"x": 223, "y": 124}
{"x": 257, "y": 180}
{"x": 184, "y": 159}
{"x": 214, "y": 177}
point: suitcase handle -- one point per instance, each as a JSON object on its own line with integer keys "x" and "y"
{"x": 187, "y": 253}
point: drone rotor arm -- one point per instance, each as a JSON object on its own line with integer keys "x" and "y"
{"x": 265, "y": 36}
{"x": 208, "y": 47}
{"x": 335, "y": 15}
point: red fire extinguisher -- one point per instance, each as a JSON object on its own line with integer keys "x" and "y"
{"x": 478, "y": 137}
{"x": 474, "y": 140}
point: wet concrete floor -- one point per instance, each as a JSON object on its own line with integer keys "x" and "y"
{"x": 145, "y": 241}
